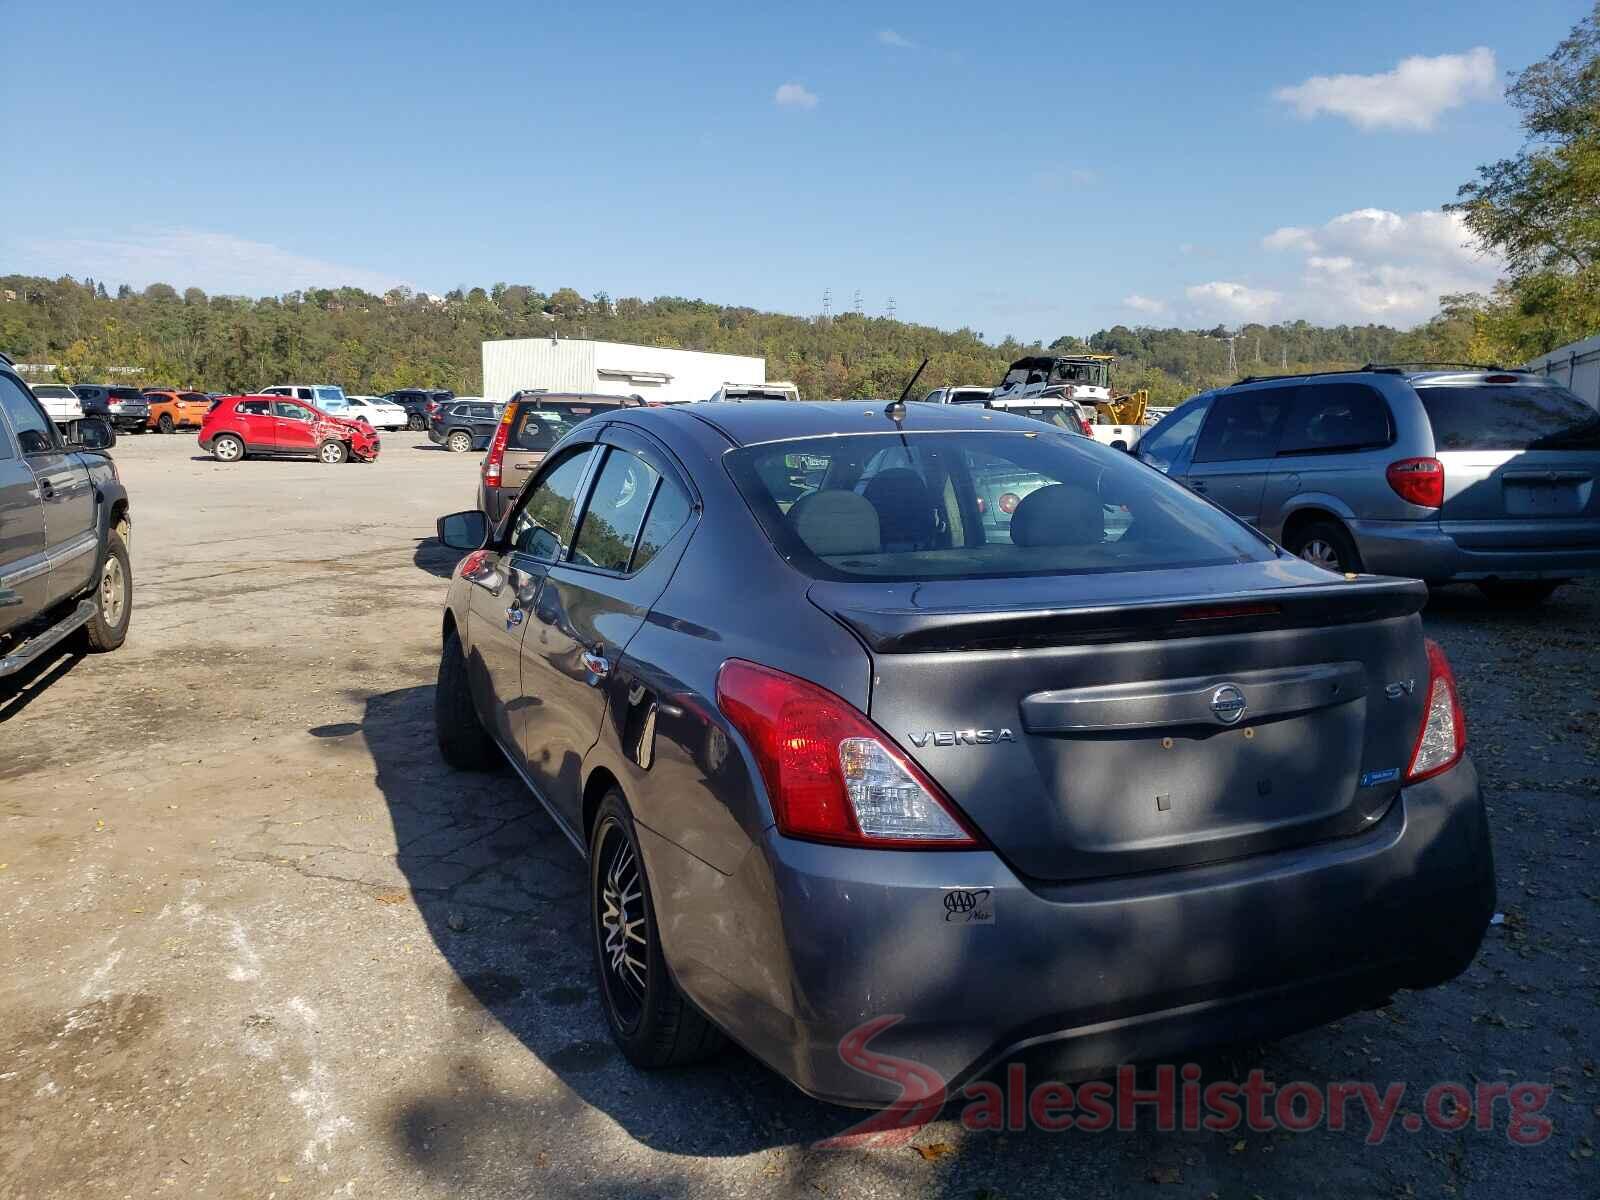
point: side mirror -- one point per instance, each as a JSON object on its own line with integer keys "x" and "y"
{"x": 463, "y": 530}
{"x": 93, "y": 433}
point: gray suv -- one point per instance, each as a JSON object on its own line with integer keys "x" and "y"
{"x": 1480, "y": 475}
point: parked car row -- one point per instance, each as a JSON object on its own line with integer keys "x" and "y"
{"x": 1010, "y": 700}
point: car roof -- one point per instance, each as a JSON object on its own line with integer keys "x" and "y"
{"x": 751, "y": 422}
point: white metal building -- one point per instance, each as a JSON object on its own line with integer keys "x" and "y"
{"x": 580, "y": 365}
{"x": 1577, "y": 366}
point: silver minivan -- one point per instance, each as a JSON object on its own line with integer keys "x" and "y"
{"x": 1478, "y": 475}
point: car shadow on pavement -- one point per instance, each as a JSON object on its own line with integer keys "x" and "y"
{"x": 437, "y": 559}
{"x": 503, "y": 896}
{"x": 27, "y": 685}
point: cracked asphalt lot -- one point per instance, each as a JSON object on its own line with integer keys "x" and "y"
{"x": 259, "y": 941}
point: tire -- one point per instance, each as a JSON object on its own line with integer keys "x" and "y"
{"x": 458, "y": 442}
{"x": 415, "y": 423}
{"x": 227, "y": 448}
{"x": 333, "y": 453}
{"x": 651, "y": 1021}
{"x": 164, "y": 423}
{"x": 1327, "y": 544}
{"x": 463, "y": 741}
{"x": 114, "y": 595}
{"x": 1512, "y": 594}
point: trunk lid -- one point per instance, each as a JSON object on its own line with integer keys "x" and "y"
{"x": 1091, "y": 726}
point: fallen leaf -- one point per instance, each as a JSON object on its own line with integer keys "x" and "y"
{"x": 934, "y": 1150}
{"x": 1165, "y": 1175}
{"x": 1238, "y": 1147}
{"x": 391, "y": 898}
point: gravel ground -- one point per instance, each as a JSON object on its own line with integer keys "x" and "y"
{"x": 260, "y": 941}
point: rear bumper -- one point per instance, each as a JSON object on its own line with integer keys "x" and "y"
{"x": 129, "y": 420}
{"x": 1100, "y": 973}
{"x": 1479, "y": 550}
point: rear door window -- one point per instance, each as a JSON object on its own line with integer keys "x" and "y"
{"x": 1509, "y": 417}
{"x": 252, "y": 408}
{"x": 1329, "y": 418}
{"x": 1244, "y": 425}
{"x": 669, "y": 511}
{"x": 616, "y": 509}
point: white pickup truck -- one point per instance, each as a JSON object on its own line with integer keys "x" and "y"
{"x": 60, "y": 402}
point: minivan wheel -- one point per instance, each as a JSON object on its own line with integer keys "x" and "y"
{"x": 459, "y": 442}
{"x": 1518, "y": 593}
{"x": 113, "y": 596}
{"x": 333, "y": 453}
{"x": 1327, "y": 544}
{"x": 652, "y": 1022}
{"x": 227, "y": 448}
{"x": 463, "y": 741}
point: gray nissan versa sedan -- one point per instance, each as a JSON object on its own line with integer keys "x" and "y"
{"x": 958, "y": 719}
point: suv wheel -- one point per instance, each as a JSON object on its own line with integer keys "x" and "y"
{"x": 415, "y": 423}
{"x": 164, "y": 423}
{"x": 462, "y": 739}
{"x": 1328, "y": 544}
{"x": 113, "y": 596}
{"x": 652, "y": 1022}
{"x": 459, "y": 442}
{"x": 227, "y": 448}
{"x": 1518, "y": 593}
{"x": 333, "y": 453}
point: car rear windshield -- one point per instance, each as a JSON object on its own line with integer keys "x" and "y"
{"x": 1509, "y": 417}
{"x": 125, "y": 393}
{"x": 977, "y": 505}
{"x": 539, "y": 427}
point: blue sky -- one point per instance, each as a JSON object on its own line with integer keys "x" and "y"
{"x": 1034, "y": 169}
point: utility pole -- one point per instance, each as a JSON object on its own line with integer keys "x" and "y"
{"x": 859, "y": 311}
{"x": 1286, "y": 356}
{"x": 827, "y": 303}
{"x": 891, "y": 308}
{"x": 1233, "y": 359}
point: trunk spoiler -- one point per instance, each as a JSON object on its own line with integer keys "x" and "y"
{"x": 895, "y": 624}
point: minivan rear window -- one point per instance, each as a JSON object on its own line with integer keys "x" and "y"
{"x": 977, "y": 505}
{"x": 1509, "y": 417}
{"x": 126, "y": 393}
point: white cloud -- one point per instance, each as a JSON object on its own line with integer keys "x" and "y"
{"x": 216, "y": 262}
{"x": 1375, "y": 265}
{"x": 794, "y": 95}
{"x": 1410, "y": 97}
{"x": 888, "y": 37}
{"x": 1143, "y": 304}
{"x": 1226, "y": 301}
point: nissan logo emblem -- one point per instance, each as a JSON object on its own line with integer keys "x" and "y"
{"x": 1228, "y": 704}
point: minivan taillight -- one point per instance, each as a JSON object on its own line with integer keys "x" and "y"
{"x": 497, "y": 448}
{"x": 832, "y": 775}
{"x": 1443, "y": 736}
{"x": 1418, "y": 481}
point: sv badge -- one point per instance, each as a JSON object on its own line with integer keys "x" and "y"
{"x": 1404, "y": 688}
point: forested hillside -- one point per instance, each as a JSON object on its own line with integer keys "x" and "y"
{"x": 375, "y": 343}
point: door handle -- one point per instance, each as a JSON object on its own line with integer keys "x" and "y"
{"x": 514, "y": 616}
{"x": 47, "y": 490}
{"x": 596, "y": 663}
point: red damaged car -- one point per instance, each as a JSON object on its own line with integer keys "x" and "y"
{"x": 277, "y": 427}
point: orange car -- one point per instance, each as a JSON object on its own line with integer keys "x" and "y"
{"x": 173, "y": 410}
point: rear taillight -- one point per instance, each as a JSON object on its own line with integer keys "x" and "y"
{"x": 1443, "y": 735}
{"x": 1009, "y": 502}
{"x": 1088, "y": 429}
{"x": 832, "y": 775}
{"x": 1418, "y": 481}
{"x": 497, "y": 449}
